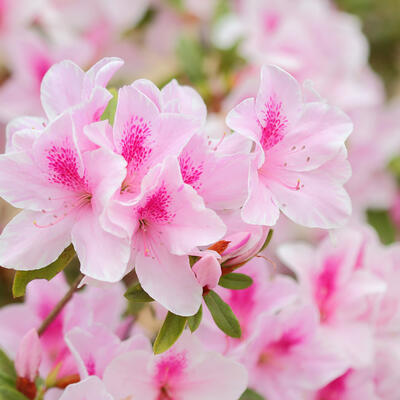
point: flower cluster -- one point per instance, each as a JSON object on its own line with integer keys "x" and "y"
{"x": 202, "y": 241}
{"x": 152, "y": 189}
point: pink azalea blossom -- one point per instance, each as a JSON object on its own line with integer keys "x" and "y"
{"x": 286, "y": 355}
{"x": 93, "y": 305}
{"x": 63, "y": 192}
{"x": 185, "y": 371}
{"x": 339, "y": 281}
{"x": 169, "y": 219}
{"x": 300, "y": 161}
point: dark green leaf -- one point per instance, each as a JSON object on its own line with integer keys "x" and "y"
{"x": 7, "y": 366}
{"x": 222, "y": 315}
{"x": 267, "y": 240}
{"x": 235, "y": 281}
{"x": 194, "y": 320}
{"x": 170, "y": 331}
{"x": 250, "y": 394}
{"x": 109, "y": 112}
{"x": 136, "y": 294}
{"x": 8, "y": 393}
{"x": 22, "y": 278}
{"x": 382, "y": 223}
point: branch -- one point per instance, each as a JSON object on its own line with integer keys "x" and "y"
{"x": 60, "y": 305}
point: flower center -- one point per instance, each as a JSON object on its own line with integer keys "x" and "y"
{"x": 273, "y": 125}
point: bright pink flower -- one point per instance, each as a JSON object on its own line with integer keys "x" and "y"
{"x": 169, "y": 220}
{"x": 185, "y": 371}
{"x": 63, "y": 192}
{"x": 143, "y": 135}
{"x": 300, "y": 161}
{"x": 286, "y": 356}
{"x": 339, "y": 281}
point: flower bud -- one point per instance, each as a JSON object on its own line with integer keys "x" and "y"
{"x": 207, "y": 271}
{"x": 27, "y": 363}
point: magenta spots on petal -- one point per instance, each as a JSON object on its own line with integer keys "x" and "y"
{"x": 136, "y": 142}
{"x": 157, "y": 208}
{"x": 63, "y": 168}
{"x": 191, "y": 173}
{"x": 273, "y": 125}
{"x": 90, "y": 366}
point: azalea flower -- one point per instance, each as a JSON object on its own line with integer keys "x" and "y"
{"x": 185, "y": 371}
{"x": 63, "y": 192}
{"x": 300, "y": 161}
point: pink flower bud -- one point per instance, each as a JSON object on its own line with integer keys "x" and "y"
{"x": 243, "y": 246}
{"x": 207, "y": 271}
{"x": 29, "y": 356}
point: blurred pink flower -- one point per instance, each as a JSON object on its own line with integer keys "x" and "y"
{"x": 185, "y": 371}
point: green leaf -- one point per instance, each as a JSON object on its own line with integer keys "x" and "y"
{"x": 382, "y": 223}
{"x": 6, "y": 380}
{"x": 136, "y": 294}
{"x": 250, "y": 394}
{"x": 235, "y": 281}
{"x": 267, "y": 240}
{"x": 170, "y": 331}
{"x": 7, "y": 366}
{"x": 223, "y": 315}
{"x": 109, "y": 112}
{"x": 8, "y": 393}
{"x": 194, "y": 320}
{"x": 22, "y": 278}
{"x": 191, "y": 58}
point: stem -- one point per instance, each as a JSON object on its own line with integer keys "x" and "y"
{"x": 60, "y": 305}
